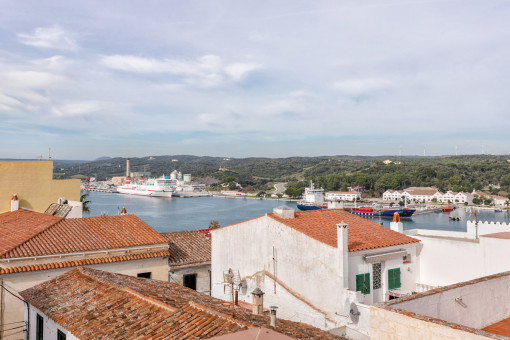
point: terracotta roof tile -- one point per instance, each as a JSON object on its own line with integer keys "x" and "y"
{"x": 188, "y": 247}
{"x": 362, "y": 234}
{"x": 36, "y": 234}
{"x": 18, "y": 226}
{"x": 94, "y": 304}
{"x": 84, "y": 262}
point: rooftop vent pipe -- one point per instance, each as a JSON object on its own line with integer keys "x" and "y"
{"x": 273, "y": 315}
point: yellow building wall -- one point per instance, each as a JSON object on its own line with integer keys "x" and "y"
{"x": 33, "y": 182}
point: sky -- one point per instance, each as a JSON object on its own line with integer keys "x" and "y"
{"x": 253, "y": 78}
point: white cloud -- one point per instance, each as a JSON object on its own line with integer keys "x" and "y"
{"x": 362, "y": 86}
{"x": 81, "y": 108}
{"x": 207, "y": 71}
{"x": 48, "y": 37}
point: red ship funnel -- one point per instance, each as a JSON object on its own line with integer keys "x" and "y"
{"x": 128, "y": 180}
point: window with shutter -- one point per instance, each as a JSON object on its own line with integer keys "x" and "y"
{"x": 394, "y": 278}
{"x": 363, "y": 283}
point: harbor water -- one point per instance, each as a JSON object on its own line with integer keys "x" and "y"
{"x": 174, "y": 214}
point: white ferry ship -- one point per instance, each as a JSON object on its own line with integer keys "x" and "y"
{"x": 156, "y": 187}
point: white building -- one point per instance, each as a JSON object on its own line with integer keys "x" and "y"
{"x": 392, "y": 195}
{"x": 427, "y": 194}
{"x": 472, "y": 310}
{"x": 322, "y": 267}
{"x": 449, "y": 257}
{"x": 342, "y": 196}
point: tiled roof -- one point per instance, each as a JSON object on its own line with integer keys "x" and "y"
{"x": 20, "y": 225}
{"x": 95, "y": 304}
{"x": 188, "y": 247}
{"x": 60, "y": 236}
{"x": 84, "y": 262}
{"x": 362, "y": 234}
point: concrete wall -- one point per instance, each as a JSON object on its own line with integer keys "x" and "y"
{"x": 50, "y": 327}
{"x": 475, "y": 305}
{"x": 20, "y": 281}
{"x": 203, "y": 277}
{"x": 449, "y": 257}
{"x": 390, "y": 325}
{"x": 33, "y": 182}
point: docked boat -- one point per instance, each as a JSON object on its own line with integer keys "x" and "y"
{"x": 447, "y": 208}
{"x": 154, "y": 187}
{"x": 313, "y": 199}
{"x": 386, "y": 213}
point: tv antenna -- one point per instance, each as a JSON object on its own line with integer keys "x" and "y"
{"x": 232, "y": 283}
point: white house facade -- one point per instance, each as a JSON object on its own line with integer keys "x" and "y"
{"x": 321, "y": 267}
{"x": 342, "y": 196}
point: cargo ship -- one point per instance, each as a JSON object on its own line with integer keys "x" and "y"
{"x": 386, "y": 213}
{"x": 313, "y": 199}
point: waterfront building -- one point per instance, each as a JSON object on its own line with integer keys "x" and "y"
{"x": 92, "y": 304}
{"x": 33, "y": 184}
{"x": 427, "y": 194}
{"x": 475, "y": 310}
{"x": 322, "y": 267}
{"x": 343, "y": 196}
{"x": 190, "y": 259}
{"x": 36, "y": 247}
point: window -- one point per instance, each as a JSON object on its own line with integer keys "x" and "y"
{"x": 394, "y": 278}
{"x": 363, "y": 283}
{"x": 144, "y": 275}
{"x": 61, "y": 335}
{"x": 190, "y": 281}
{"x": 39, "y": 328}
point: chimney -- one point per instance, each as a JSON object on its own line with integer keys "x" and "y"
{"x": 14, "y": 202}
{"x": 123, "y": 212}
{"x": 127, "y": 169}
{"x": 396, "y": 225}
{"x": 284, "y": 212}
{"x": 343, "y": 251}
{"x": 258, "y": 301}
{"x": 272, "y": 321}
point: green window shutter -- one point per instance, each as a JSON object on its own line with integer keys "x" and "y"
{"x": 366, "y": 285}
{"x": 394, "y": 278}
{"x": 359, "y": 283}
{"x": 397, "y": 278}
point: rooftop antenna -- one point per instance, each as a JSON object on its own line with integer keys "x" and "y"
{"x": 456, "y": 150}
{"x": 49, "y": 154}
{"x": 232, "y": 280}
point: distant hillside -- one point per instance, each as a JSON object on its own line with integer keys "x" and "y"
{"x": 331, "y": 172}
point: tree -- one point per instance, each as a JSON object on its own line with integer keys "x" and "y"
{"x": 84, "y": 202}
{"x": 214, "y": 224}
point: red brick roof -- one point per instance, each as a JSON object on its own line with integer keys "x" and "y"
{"x": 362, "y": 234}
{"x": 188, "y": 248}
{"x": 18, "y": 226}
{"x": 84, "y": 262}
{"x": 36, "y": 234}
{"x": 95, "y": 304}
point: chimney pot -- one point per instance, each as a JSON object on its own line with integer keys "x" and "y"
{"x": 258, "y": 301}
{"x": 273, "y": 315}
{"x": 284, "y": 212}
{"x": 14, "y": 202}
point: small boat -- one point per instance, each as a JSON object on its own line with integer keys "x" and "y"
{"x": 498, "y": 210}
{"x": 454, "y": 218}
{"x": 386, "y": 213}
{"x": 447, "y": 208}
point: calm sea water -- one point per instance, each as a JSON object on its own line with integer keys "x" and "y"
{"x": 167, "y": 215}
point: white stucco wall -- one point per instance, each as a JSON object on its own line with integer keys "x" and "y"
{"x": 451, "y": 257}
{"x": 20, "y": 281}
{"x": 50, "y": 327}
{"x": 390, "y": 325}
{"x": 475, "y": 305}
{"x": 248, "y": 247}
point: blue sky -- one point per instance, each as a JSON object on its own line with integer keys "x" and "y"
{"x": 254, "y": 78}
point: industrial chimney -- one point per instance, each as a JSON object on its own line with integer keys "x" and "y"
{"x": 127, "y": 168}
